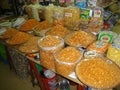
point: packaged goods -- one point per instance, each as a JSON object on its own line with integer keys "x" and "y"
{"x": 66, "y": 60}
{"x": 58, "y": 14}
{"x": 85, "y": 13}
{"x": 50, "y": 80}
{"x": 114, "y": 19}
{"x": 28, "y": 25}
{"x": 98, "y": 72}
{"x": 19, "y": 38}
{"x": 58, "y": 30}
{"x": 35, "y": 11}
{"x": 64, "y": 84}
{"x": 9, "y": 33}
{"x": 30, "y": 46}
{"x": 107, "y": 15}
{"x": 83, "y": 24}
{"x": 95, "y": 25}
{"x": 48, "y": 46}
{"x": 72, "y": 18}
{"x": 5, "y": 23}
{"x": 41, "y": 12}
{"x": 98, "y": 12}
{"x": 69, "y": 2}
{"x": 99, "y": 46}
{"x": 81, "y": 3}
{"x": 107, "y": 26}
{"x": 49, "y": 13}
{"x": 92, "y": 3}
{"x": 29, "y": 11}
{"x": 18, "y": 22}
{"x": 117, "y": 40}
{"x": 80, "y": 38}
{"x": 61, "y": 3}
{"x": 107, "y": 36}
{"x": 91, "y": 54}
{"x": 113, "y": 53}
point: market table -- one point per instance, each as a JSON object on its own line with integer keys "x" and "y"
{"x": 70, "y": 77}
{"x": 19, "y": 61}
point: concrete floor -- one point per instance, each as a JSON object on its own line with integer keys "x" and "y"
{"x": 9, "y": 80}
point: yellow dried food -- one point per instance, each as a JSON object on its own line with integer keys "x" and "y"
{"x": 43, "y": 26}
{"x": 99, "y": 46}
{"x": 47, "y": 58}
{"x": 98, "y": 73}
{"x": 19, "y": 38}
{"x": 9, "y": 33}
{"x": 50, "y": 41}
{"x": 64, "y": 69}
{"x": 28, "y": 25}
{"x": 49, "y": 13}
{"x": 58, "y": 14}
{"x": 113, "y": 53}
{"x": 58, "y": 30}
{"x": 30, "y": 46}
{"x": 80, "y": 39}
{"x": 72, "y": 17}
{"x": 66, "y": 60}
{"x": 69, "y": 54}
{"x": 48, "y": 46}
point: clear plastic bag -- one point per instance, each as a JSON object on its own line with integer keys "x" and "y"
{"x": 72, "y": 18}
{"x": 58, "y": 14}
{"x": 49, "y": 13}
{"x": 99, "y": 46}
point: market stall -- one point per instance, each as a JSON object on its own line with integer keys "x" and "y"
{"x": 78, "y": 42}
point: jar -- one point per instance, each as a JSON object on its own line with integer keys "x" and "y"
{"x": 48, "y": 46}
{"x": 66, "y": 60}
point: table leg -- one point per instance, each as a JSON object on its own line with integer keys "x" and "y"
{"x": 39, "y": 78}
{"x": 80, "y": 87}
{"x": 9, "y": 59}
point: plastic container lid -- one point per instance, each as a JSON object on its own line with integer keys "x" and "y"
{"x": 49, "y": 74}
{"x": 53, "y": 47}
